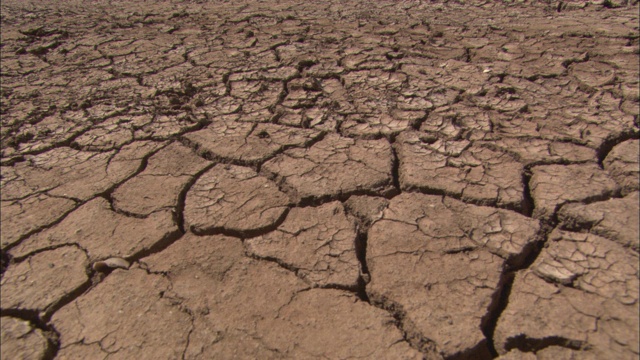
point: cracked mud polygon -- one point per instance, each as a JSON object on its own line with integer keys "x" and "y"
{"x": 338, "y": 179}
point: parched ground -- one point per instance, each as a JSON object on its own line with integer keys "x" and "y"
{"x": 319, "y": 179}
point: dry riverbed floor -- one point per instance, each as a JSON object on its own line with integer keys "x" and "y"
{"x": 319, "y": 179}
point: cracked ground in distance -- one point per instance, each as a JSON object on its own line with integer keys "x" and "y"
{"x": 338, "y": 179}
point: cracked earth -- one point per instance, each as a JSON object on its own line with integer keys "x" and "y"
{"x": 338, "y": 180}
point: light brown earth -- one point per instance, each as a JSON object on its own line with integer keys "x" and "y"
{"x": 319, "y": 179}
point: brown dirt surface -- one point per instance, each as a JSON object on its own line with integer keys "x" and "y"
{"x": 279, "y": 179}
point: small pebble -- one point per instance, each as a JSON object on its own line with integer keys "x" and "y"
{"x": 111, "y": 263}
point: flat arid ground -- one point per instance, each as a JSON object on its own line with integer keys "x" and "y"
{"x": 319, "y": 180}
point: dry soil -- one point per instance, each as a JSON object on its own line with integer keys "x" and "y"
{"x": 319, "y": 179}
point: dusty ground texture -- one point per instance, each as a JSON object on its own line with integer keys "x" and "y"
{"x": 338, "y": 179}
